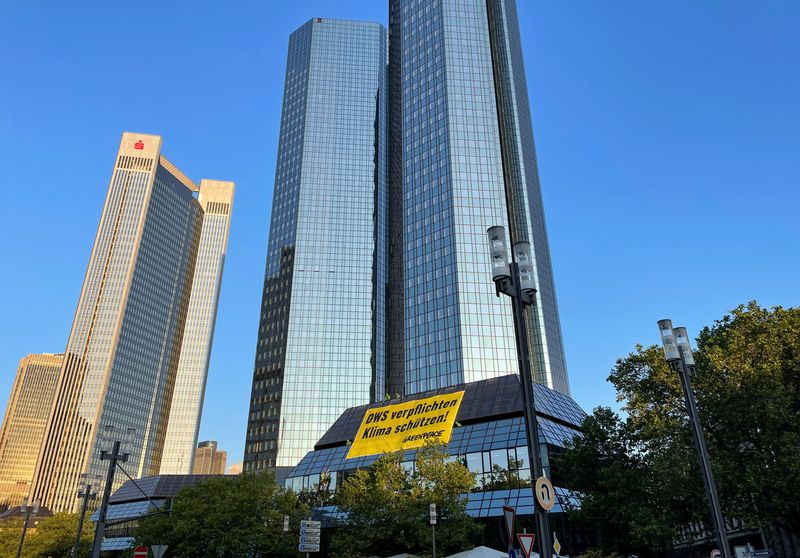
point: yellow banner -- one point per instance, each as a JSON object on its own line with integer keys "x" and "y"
{"x": 406, "y": 425}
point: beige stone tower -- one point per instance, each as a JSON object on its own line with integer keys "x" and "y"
{"x": 24, "y": 424}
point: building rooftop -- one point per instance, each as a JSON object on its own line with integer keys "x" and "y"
{"x": 494, "y": 398}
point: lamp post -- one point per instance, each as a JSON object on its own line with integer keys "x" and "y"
{"x": 87, "y": 494}
{"x": 113, "y": 457}
{"x": 27, "y": 510}
{"x": 515, "y": 279}
{"x": 678, "y": 353}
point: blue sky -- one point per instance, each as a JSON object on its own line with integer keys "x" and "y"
{"x": 668, "y": 137}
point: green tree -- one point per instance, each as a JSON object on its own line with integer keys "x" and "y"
{"x": 54, "y": 537}
{"x": 227, "y": 517}
{"x": 387, "y": 507}
{"x": 748, "y": 390}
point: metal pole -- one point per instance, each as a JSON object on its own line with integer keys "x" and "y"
{"x": 87, "y": 495}
{"x": 529, "y": 409}
{"x": 433, "y": 534}
{"x": 24, "y": 529}
{"x": 702, "y": 452}
{"x": 101, "y": 518}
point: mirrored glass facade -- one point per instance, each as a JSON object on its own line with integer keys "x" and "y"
{"x": 216, "y": 200}
{"x": 121, "y": 362}
{"x": 468, "y": 163}
{"x": 24, "y": 424}
{"x": 490, "y": 440}
{"x": 321, "y": 341}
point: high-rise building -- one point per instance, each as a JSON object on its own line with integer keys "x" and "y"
{"x": 209, "y": 459}
{"x": 136, "y": 308}
{"x": 459, "y": 158}
{"x": 216, "y": 199}
{"x": 24, "y": 424}
{"x": 462, "y": 138}
{"x": 321, "y": 339}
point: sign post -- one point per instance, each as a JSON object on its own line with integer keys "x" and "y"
{"x": 433, "y": 527}
{"x": 309, "y": 536}
{"x": 140, "y": 551}
{"x": 158, "y": 550}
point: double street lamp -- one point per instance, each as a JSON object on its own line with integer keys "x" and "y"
{"x": 678, "y": 353}
{"x": 114, "y": 457}
{"x": 27, "y": 510}
{"x": 514, "y": 278}
{"x": 86, "y": 494}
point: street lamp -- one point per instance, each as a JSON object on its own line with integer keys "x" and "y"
{"x": 515, "y": 279}
{"x": 678, "y": 353}
{"x": 114, "y": 457}
{"x": 26, "y": 509}
{"x": 86, "y": 493}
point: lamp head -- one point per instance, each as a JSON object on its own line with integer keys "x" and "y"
{"x": 682, "y": 340}
{"x": 499, "y": 252}
{"x": 522, "y": 255}
{"x": 668, "y": 340}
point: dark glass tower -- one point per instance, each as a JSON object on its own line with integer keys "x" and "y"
{"x": 321, "y": 341}
{"x": 463, "y": 139}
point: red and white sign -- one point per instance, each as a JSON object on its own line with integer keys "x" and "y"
{"x": 509, "y": 515}
{"x": 140, "y": 551}
{"x": 138, "y": 145}
{"x": 526, "y": 543}
{"x": 716, "y": 553}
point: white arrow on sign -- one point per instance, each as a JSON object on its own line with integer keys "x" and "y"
{"x": 158, "y": 550}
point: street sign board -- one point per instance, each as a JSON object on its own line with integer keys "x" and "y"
{"x": 285, "y": 523}
{"x": 526, "y": 543}
{"x": 433, "y": 514}
{"x": 309, "y": 536}
{"x": 509, "y": 514}
{"x": 158, "y": 550}
{"x": 716, "y": 553}
{"x": 556, "y": 544}
{"x": 545, "y": 493}
{"x": 140, "y": 551}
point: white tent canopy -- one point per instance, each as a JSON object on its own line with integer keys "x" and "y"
{"x": 480, "y": 552}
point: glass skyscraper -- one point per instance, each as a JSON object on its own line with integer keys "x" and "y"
{"x": 463, "y": 140}
{"x": 24, "y": 424}
{"x": 395, "y": 165}
{"x": 321, "y": 340}
{"x": 119, "y": 376}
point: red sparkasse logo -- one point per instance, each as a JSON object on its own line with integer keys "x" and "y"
{"x": 138, "y": 145}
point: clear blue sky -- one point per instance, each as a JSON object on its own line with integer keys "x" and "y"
{"x": 668, "y": 136}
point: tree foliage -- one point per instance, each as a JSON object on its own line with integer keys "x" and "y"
{"x": 228, "y": 517}
{"x": 639, "y": 475}
{"x": 53, "y": 537}
{"x": 387, "y": 507}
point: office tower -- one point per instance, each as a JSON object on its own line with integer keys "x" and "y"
{"x": 461, "y": 128}
{"x": 209, "y": 460}
{"x": 321, "y": 339}
{"x": 216, "y": 199}
{"x": 24, "y": 424}
{"x": 125, "y": 348}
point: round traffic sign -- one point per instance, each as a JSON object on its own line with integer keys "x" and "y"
{"x": 716, "y": 553}
{"x": 140, "y": 551}
{"x": 545, "y": 493}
